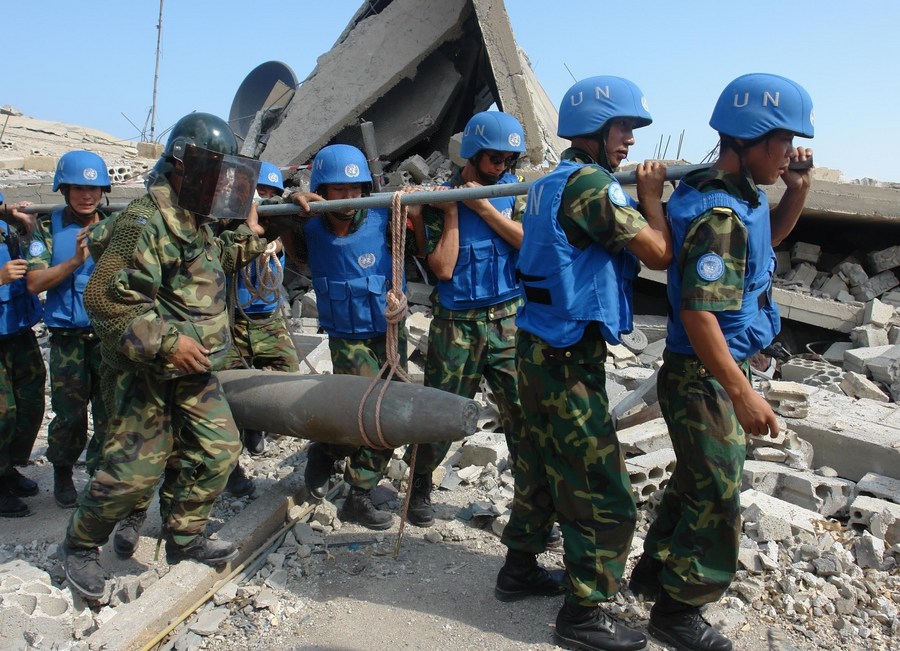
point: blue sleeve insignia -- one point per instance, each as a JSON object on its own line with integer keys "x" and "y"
{"x": 710, "y": 267}
{"x": 617, "y": 194}
{"x": 35, "y": 248}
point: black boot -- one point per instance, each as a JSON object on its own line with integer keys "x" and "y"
{"x": 319, "y": 468}
{"x": 201, "y": 549}
{"x": 18, "y": 484}
{"x": 128, "y": 534}
{"x": 83, "y": 569}
{"x": 358, "y": 508}
{"x": 64, "y": 488}
{"x": 589, "y": 628}
{"x": 239, "y": 484}
{"x": 682, "y": 626}
{"x": 254, "y": 442}
{"x": 12, "y": 506}
{"x": 420, "y": 512}
{"x": 522, "y": 577}
{"x": 644, "y": 580}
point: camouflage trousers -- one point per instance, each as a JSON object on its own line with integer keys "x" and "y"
{"x": 22, "y": 379}
{"x": 264, "y": 343}
{"x": 698, "y": 524}
{"x": 460, "y": 353}
{"x": 74, "y": 383}
{"x": 181, "y": 426}
{"x": 570, "y": 467}
{"x": 362, "y": 357}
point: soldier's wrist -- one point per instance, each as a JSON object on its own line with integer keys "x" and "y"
{"x": 169, "y": 344}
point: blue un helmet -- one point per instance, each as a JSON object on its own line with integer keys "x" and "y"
{"x": 340, "y": 164}
{"x": 591, "y": 103}
{"x": 270, "y": 175}
{"x": 81, "y": 168}
{"x": 492, "y": 130}
{"x": 753, "y": 105}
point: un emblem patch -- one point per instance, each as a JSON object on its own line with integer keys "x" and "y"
{"x": 366, "y": 260}
{"x": 710, "y": 267}
{"x": 617, "y": 194}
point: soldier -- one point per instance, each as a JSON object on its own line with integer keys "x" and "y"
{"x": 22, "y": 373}
{"x": 59, "y": 263}
{"x": 261, "y": 337}
{"x": 720, "y": 314}
{"x": 472, "y": 249}
{"x": 583, "y": 239}
{"x": 349, "y": 255}
{"x": 157, "y": 300}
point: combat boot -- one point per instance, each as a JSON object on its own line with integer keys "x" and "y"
{"x": 128, "y": 534}
{"x": 18, "y": 484}
{"x": 239, "y": 484}
{"x": 12, "y": 506}
{"x": 254, "y": 442}
{"x": 522, "y": 577}
{"x": 420, "y": 512}
{"x": 682, "y": 626}
{"x": 644, "y": 580}
{"x": 589, "y": 628}
{"x": 83, "y": 569}
{"x": 201, "y": 549}
{"x": 64, "y": 488}
{"x": 358, "y": 508}
{"x": 319, "y": 468}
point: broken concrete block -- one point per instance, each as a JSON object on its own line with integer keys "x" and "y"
{"x": 483, "y": 448}
{"x": 763, "y": 527}
{"x": 867, "y": 336}
{"x": 828, "y": 496}
{"x": 884, "y": 259}
{"x": 418, "y": 325}
{"x": 416, "y": 167}
{"x": 878, "y": 486}
{"x": 789, "y": 399}
{"x": 883, "y": 368}
{"x": 835, "y": 353}
{"x": 40, "y": 163}
{"x": 828, "y": 378}
{"x": 650, "y": 472}
{"x": 419, "y": 293}
{"x": 834, "y": 287}
{"x": 877, "y": 313}
{"x": 880, "y": 517}
{"x": 857, "y": 359}
{"x": 782, "y": 263}
{"x": 892, "y": 298}
{"x": 798, "y": 369}
{"x": 851, "y": 273}
{"x": 894, "y": 335}
{"x": 798, "y": 518}
{"x": 875, "y": 286}
{"x": 802, "y": 275}
{"x": 869, "y": 551}
{"x": 857, "y": 385}
{"x": 805, "y": 252}
{"x": 644, "y": 438}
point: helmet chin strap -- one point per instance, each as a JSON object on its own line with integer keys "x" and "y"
{"x": 483, "y": 178}
{"x": 602, "y": 157}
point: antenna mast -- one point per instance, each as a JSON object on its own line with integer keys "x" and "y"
{"x": 156, "y": 71}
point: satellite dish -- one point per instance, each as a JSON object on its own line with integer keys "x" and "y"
{"x": 256, "y": 92}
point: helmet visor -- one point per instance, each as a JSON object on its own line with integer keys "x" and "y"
{"x": 217, "y": 185}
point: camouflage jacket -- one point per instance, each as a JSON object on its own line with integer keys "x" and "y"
{"x": 161, "y": 273}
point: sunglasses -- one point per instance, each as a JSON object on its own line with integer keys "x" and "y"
{"x": 507, "y": 161}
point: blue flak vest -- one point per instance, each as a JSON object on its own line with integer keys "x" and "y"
{"x": 19, "y": 308}
{"x": 64, "y": 307}
{"x": 351, "y": 276}
{"x": 566, "y": 288}
{"x": 752, "y": 327}
{"x": 249, "y": 304}
{"x": 485, "y": 271}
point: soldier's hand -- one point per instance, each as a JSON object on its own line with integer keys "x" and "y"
{"x": 798, "y": 179}
{"x": 755, "y": 414}
{"x": 189, "y": 356}
{"x": 12, "y": 271}
{"x": 443, "y": 206}
{"x": 651, "y": 177}
{"x": 477, "y": 205}
{"x": 253, "y": 221}
{"x": 81, "y": 249}
{"x": 303, "y": 200}
{"x": 24, "y": 222}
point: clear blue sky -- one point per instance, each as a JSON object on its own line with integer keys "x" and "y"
{"x": 90, "y": 62}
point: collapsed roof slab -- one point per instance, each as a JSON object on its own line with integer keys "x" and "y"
{"x": 380, "y": 51}
{"x": 518, "y": 90}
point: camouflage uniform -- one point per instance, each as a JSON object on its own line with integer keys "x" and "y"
{"x": 74, "y": 373}
{"x": 570, "y": 466}
{"x": 159, "y": 275}
{"x": 22, "y": 372}
{"x": 466, "y": 345}
{"x": 697, "y": 528}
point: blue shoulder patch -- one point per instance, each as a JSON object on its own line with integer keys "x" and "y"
{"x": 710, "y": 267}
{"x": 617, "y": 194}
{"x": 36, "y": 248}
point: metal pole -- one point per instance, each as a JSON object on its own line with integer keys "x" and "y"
{"x": 369, "y": 143}
{"x": 156, "y": 71}
{"x": 385, "y": 199}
